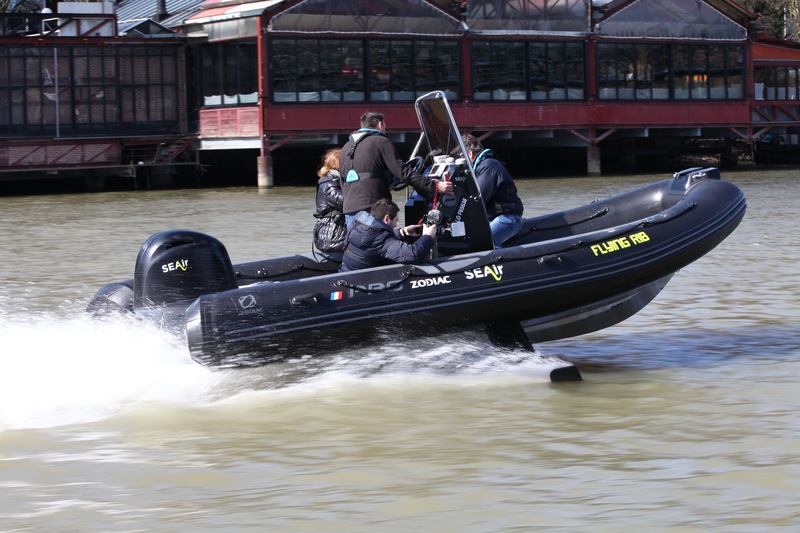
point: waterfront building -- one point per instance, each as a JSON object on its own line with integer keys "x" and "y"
{"x": 76, "y": 99}
{"x": 613, "y": 81}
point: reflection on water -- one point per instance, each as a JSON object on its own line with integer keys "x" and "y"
{"x": 686, "y": 419}
{"x": 688, "y": 348}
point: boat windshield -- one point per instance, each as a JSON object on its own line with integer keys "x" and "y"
{"x": 441, "y": 149}
{"x": 439, "y": 128}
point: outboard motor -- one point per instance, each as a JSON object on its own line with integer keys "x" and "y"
{"x": 177, "y": 266}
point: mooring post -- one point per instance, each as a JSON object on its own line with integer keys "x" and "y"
{"x": 265, "y": 177}
{"x": 593, "y": 159}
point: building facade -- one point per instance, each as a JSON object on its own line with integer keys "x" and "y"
{"x": 77, "y": 99}
{"x": 527, "y": 73}
{"x": 613, "y": 80}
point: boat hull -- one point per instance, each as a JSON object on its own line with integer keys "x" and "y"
{"x": 558, "y": 288}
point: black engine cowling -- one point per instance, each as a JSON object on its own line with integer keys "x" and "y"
{"x": 178, "y": 266}
{"x": 173, "y": 268}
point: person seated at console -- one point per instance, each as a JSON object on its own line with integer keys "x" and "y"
{"x": 375, "y": 240}
{"x": 499, "y": 193}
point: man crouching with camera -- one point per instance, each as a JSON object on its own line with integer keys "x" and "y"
{"x": 374, "y": 239}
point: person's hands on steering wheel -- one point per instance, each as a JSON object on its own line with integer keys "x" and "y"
{"x": 413, "y": 165}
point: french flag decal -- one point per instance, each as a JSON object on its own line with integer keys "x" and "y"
{"x": 336, "y": 295}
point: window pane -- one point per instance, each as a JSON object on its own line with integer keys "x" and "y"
{"x": 353, "y": 80}
{"x": 734, "y": 66}
{"x": 716, "y": 72}
{"x": 332, "y": 71}
{"x": 643, "y": 74}
{"x": 499, "y": 70}
{"x": 659, "y": 59}
{"x": 248, "y": 72}
{"x": 680, "y": 62}
{"x": 515, "y": 82}
{"x": 402, "y": 72}
{"x": 212, "y": 90}
{"x": 482, "y": 70}
{"x": 449, "y": 67}
{"x": 5, "y": 102}
{"x": 616, "y": 63}
{"x": 308, "y": 70}
{"x": 576, "y": 71}
{"x": 425, "y": 67}
{"x": 155, "y": 100}
{"x": 538, "y": 70}
{"x": 380, "y": 70}
{"x": 17, "y": 64}
{"x": 556, "y": 71}
{"x": 699, "y": 77}
{"x": 284, "y": 70}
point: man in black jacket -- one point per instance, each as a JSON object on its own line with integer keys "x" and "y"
{"x": 499, "y": 193}
{"x": 371, "y": 168}
{"x": 375, "y": 240}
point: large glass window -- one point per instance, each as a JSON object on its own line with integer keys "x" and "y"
{"x": 437, "y": 66}
{"x": 498, "y": 70}
{"x": 777, "y": 83}
{"x": 504, "y": 70}
{"x": 229, "y": 73}
{"x": 331, "y": 70}
{"x": 83, "y": 90}
{"x": 633, "y": 71}
{"x": 557, "y": 71}
{"x": 391, "y": 65}
{"x": 691, "y": 72}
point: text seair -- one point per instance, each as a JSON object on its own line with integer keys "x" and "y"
{"x": 493, "y": 271}
{"x": 181, "y": 264}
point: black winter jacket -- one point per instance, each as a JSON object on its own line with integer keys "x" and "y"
{"x": 497, "y": 186}
{"x": 329, "y": 230}
{"x": 329, "y": 193}
{"x": 371, "y": 168}
{"x": 371, "y": 243}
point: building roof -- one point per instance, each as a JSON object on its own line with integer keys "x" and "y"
{"x": 131, "y": 13}
{"x": 216, "y": 10}
{"x": 439, "y": 17}
{"x": 528, "y": 17}
{"x": 415, "y": 17}
{"x": 670, "y": 19}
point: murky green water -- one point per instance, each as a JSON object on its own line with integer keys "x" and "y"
{"x": 687, "y": 418}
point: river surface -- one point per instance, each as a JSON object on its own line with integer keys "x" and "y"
{"x": 688, "y": 417}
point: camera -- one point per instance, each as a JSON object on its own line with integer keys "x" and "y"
{"x": 433, "y": 218}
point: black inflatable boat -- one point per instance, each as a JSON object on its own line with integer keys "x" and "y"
{"x": 564, "y": 274}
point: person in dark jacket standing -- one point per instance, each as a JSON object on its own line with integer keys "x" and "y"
{"x": 329, "y": 230}
{"x": 498, "y": 190}
{"x": 371, "y": 168}
{"x": 375, "y": 240}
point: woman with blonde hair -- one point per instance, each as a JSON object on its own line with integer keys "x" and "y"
{"x": 329, "y": 231}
